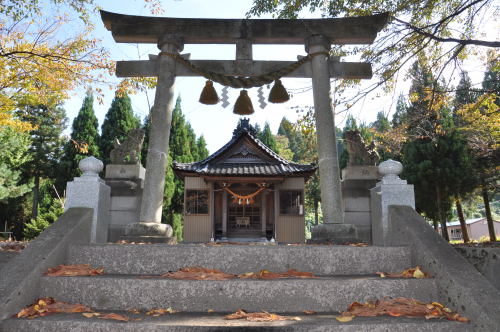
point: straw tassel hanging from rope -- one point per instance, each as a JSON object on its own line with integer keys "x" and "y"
{"x": 243, "y": 105}
{"x": 208, "y": 94}
{"x": 278, "y": 93}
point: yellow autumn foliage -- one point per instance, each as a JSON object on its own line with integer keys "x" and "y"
{"x": 41, "y": 65}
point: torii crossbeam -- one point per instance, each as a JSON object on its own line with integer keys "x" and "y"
{"x": 170, "y": 34}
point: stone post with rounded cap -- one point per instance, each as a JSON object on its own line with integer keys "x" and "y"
{"x": 391, "y": 190}
{"x": 90, "y": 191}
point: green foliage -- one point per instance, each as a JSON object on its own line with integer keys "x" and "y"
{"x": 382, "y": 123}
{"x": 83, "y": 142}
{"x": 46, "y": 144}
{"x": 46, "y": 138}
{"x": 119, "y": 120}
{"x": 444, "y": 30}
{"x": 13, "y": 154}
{"x": 202, "y": 148}
{"x": 267, "y": 137}
{"x": 282, "y": 147}
{"x": 183, "y": 147}
{"x": 288, "y": 129}
{"x": 44, "y": 220}
{"x": 146, "y": 126}
{"x": 438, "y": 169}
{"x": 177, "y": 225}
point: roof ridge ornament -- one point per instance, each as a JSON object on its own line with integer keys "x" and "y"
{"x": 244, "y": 126}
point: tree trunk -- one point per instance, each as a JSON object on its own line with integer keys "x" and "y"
{"x": 463, "y": 225}
{"x": 487, "y": 210}
{"x": 435, "y": 225}
{"x": 316, "y": 216}
{"x": 442, "y": 217}
{"x": 36, "y": 190}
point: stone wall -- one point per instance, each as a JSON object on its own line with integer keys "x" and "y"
{"x": 485, "y": 260}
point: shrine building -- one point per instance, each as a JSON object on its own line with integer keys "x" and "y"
{"x": 244, "y": 191}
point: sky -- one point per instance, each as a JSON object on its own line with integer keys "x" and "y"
{"x": 216, "y": 123}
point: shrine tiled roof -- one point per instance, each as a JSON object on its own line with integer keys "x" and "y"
{"x": 244, "y": 155}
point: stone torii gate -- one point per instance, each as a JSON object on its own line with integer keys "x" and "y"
{"x": 170, "y": 34}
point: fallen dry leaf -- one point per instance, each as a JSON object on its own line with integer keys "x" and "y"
{"x": 357, "y": 244}
{"x": 73, "y": 270}
{"x": 262, "y": 316}
{"x": 160, "y": 312}
{"x": 201, "y": 273}
{"x": 128, "y": 242}
{"x": 91, "y": 314}
{"x": 198, "y": 273}
{"x": 114, "y": 316}
{"x": 134, "y": 311}
{"x": 210, "y": 310}
{"x": 47, "y": 306}
{"x": 309, "y": 312}
{"x": 408, "y": 273}
{"x": 344, "y": 318}
{"x": 402, "y": 306}
{"x": 265, "y": 274}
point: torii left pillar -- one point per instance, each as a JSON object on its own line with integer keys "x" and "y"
{"x": 149, "y": 226}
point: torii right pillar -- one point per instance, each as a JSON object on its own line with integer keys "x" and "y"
{"x": 333, "y": 228}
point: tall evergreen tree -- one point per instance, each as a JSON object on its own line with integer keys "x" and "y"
{"x": 193, "y": 147}
{"x": 202, "y": 148}
{"x": 182, "y": 142}
{"x": 464, "y": 95}
{"x": 14, "y": 148}
{"x": 46, "y": 144}
{"x": 439, "y": 170}
{"x": 294, "y": 136}
{"x": 119, "y": 120}
{"x": 146, "y": 126}
{"x": 400, "y": 116}
{"x": 267, "y": 137}
{"x": 83, "y": 142}
{"x": 382, "y": 123}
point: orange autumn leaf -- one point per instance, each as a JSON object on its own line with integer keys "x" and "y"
{"x": 91, "y": 314}
{"x": 201, "y": 273}
{"x": 309, "y": 312}
{"x": 47, "y": 306}
{"x": 408, "y": 273}
{"x": 402, "y": 306}
{"x": 344, "y": 318}
{"x": 74, "y": 270}
{"x": 358, "y": 244}
{"x": 160, "y": 312}
{"x": 262, "y": 316}
{"x": 198, "y": 273}
{"x": 114, "y": 316}
{"x": 265, "y": 274}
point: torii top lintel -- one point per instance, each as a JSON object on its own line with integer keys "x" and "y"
{"x": 147, "y": 29}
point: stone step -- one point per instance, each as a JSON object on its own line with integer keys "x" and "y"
{"x": 322, "y": 260}
{"x": 324, "y": 294}
{"x": 211, "y": 322}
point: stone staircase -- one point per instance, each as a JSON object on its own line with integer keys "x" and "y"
{"x": 346, "y": 275}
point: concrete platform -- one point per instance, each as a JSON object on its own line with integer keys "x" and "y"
{"x": 322, "y": 260}
{"x": 211, "y": 322}
{"x": 108, "y": 292}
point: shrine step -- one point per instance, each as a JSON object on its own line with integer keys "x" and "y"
{"x": 321, "y": 260}
{"x": 120, "y": 292}
{"x": 211, "y": 322}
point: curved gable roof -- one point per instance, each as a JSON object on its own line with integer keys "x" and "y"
{"x": 244, "y": 155}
